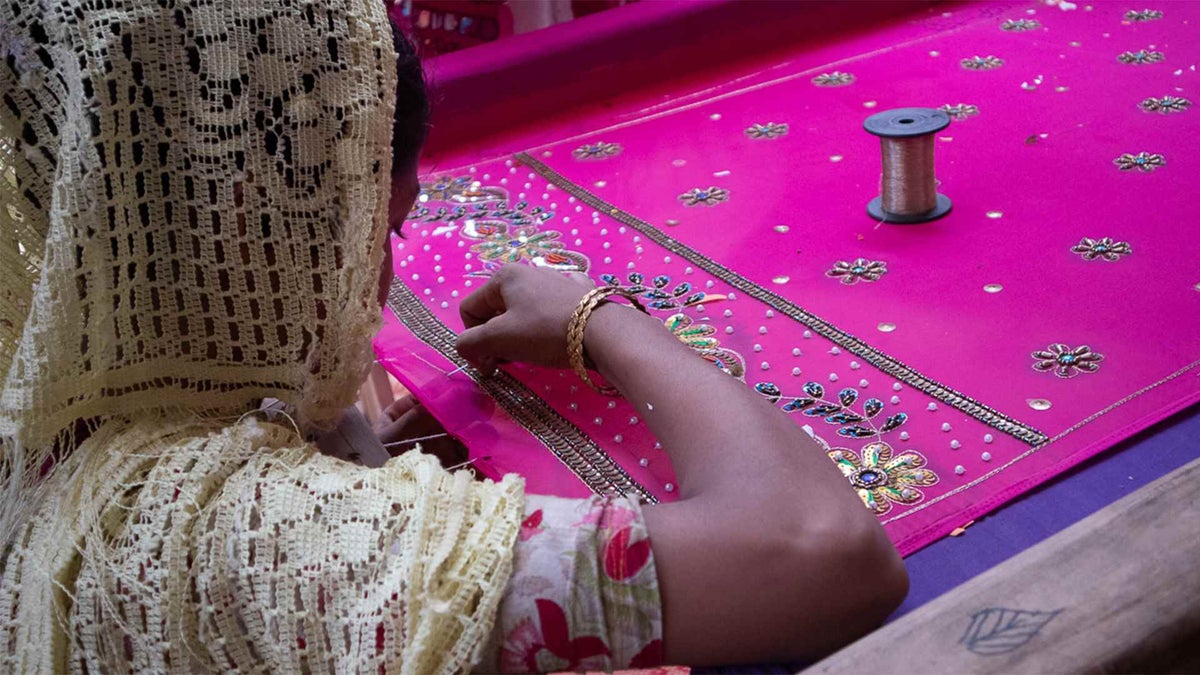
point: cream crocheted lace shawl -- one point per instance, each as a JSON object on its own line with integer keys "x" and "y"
{"x": 193, "y": 202}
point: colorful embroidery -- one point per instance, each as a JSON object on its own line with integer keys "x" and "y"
{"x": 1020, "y": 25}
{"x": 1140, "y": 57}
{"x": 882, "y": 480}
{"x": 834, "y": 79}
{"x": 707, "y": 196}
{"x": 982, "y": 63}
{"x": 1104, "y": 247}
{"x": 1165, "y": 105}
{"x": 500, "y": 243}
{"x": 659, "y": 294}
{"x": 859, "y": 270}
{"x": 1143, "y": 161}
{"x": 597, "y": 151}
{"x": 518, "y": 214}
{"x": 460, "y": 189}
{"x": 839, "y": 412}
{"x": 1066, "y": 362}
{"x": 699, "y": 337}
{"x": 768, "y": 130}
{"x": 1144, "y": 15}
{"x": 960, "y": 111}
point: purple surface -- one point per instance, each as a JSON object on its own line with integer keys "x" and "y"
{"x": 1059, "y": 504}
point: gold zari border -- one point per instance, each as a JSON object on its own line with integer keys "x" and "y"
{"x": 880, "y": 360}
{"x": 569, "y": 444}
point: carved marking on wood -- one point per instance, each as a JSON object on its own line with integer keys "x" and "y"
{"x": 998, "y": 630}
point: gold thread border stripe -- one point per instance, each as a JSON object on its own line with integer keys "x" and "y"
{"x": 893, "y": 367}
{"x": 574, "y": 448}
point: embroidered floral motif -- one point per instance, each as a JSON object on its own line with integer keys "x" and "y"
{"x": 707, "y": 196}
{"x": 768, "y": 130}
{"x": 699, "y": 337}
{"x": 960, "y": 111}
{"x": 982, "y": 63}
{"x": 840, "y": 412}
{"x": 597, "y": 151}
{"x": 659, "y": 294}
{"x": 1103, "y": 247}
{"x": 859, "y": 270}
{"x": 1020, "y": 25}
{"x": 1165, "y": 105}
{"x": 517, "y": 214}
{"x": 1067, "y": 362}
{"x": 1140, "y": 57}
{"x": 1144, "y": 15}
{"x": 834, "y": 79}
{"x": 461, "y": 189}
{"x": 499, "y": 243}
{"x": 1143, "y": 161}
{"x": 882, "y": 480}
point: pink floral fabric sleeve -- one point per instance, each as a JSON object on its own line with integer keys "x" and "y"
{"x": 583, "y": 594}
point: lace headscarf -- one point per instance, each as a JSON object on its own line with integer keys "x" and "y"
{"x": 193, "y": 207}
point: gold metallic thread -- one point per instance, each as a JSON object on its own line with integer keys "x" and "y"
{"x": 908, "y": 184}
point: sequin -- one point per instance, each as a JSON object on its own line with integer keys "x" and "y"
{"x": 1140, "y": 57}
{"x": 1020, "y": 25}
{"x": 1143, "y": 15}
{"x": 960, "y": 111}
{"x": 1165, "y": 104}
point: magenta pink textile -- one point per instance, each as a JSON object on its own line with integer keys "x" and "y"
{"x": 1034, "y": 167}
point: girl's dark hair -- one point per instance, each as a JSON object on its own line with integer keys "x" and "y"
{"x": 411, "y": 122}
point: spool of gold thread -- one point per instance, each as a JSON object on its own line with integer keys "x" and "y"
{"x": 908, "y": 191}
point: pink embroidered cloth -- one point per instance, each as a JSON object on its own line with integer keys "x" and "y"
{"x": 948, "y": 366}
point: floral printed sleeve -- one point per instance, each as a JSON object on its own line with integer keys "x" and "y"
{"x": 583, "y": 594}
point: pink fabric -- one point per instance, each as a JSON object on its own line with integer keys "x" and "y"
{"x": 1031, "y": 175}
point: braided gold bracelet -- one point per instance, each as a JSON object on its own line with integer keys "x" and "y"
{"x": 578, "y": 323}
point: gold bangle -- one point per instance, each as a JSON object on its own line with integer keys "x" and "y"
{"x": 578, "y": 323}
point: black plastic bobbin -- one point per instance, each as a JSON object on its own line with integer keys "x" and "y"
{"x": 907, "y": 123}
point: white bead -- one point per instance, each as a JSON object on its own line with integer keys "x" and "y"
{"x": 445, "y": 304}
{"x": 931, "y": 407}
{"x": 895, "y": 400}
{"x": 454, "y": 294}
{"x": 862, "y": 383}
{"x": 638, "y": 250}
{"x": 954, "y": 445}
{"x": 620, "y": 229}
{"x": 573, "y": 406}
{"x": 896, "y": 386}
{"x": 607, "y": 260}
{"x": 603, "y": 231}
{"x": 612, "y": 404}
{"x": 437, "y": 258}
{"x": 987, "y": 457}
{"x": 795, "y": 351}
{"x": 618, "y": 438}
{"x": 598, "y": 421}
{"x": 758, "y": 348}
{"x": 770, "y": 314}
{"x": 729, "y": 330}
{"x": 441, "y": 280}
{"x": 795, "y": 371}
{"x": 728, "y": 313}
{"x": 988, "y": 438}
{"x": 945, "y": 426}
{"x": 633, "y": 420}
{"x": 854, "y": 365}
{"x": 667, "y": 259}
{"x": 762, "y": 330}
{"x": 437, "y": 268}
{"x": 428, "y": 291}
{"x": 709, "y": 284}
{"x": 657, "y": 445}
{"x": 404, "y": 263}
{"x": 416, "y": 277}
{"x": 904, "y": 435}
{"x": 669, "y": 487}
{"x": 959, "y": 470}
{"x": 578, "y": 242}
{"x": 733, "y": 296}
{"x": 765, "y": 365}
{"x": 629, "y": 266}
{"x": 835, "y": 351}
{"x": 833, "y": 377}
{"x": 807, "y": 334}
{"x": 643, "y": 462}
{"x": 688, "y": 270}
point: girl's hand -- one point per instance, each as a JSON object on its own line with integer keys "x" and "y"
{"x": 407, "y": 419}
{"x": 521, "y": 314}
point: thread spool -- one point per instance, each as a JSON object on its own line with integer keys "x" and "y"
{"x": 909, "y": 190}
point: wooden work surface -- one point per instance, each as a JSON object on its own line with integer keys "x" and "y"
{"x": 1117, "y": 592}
